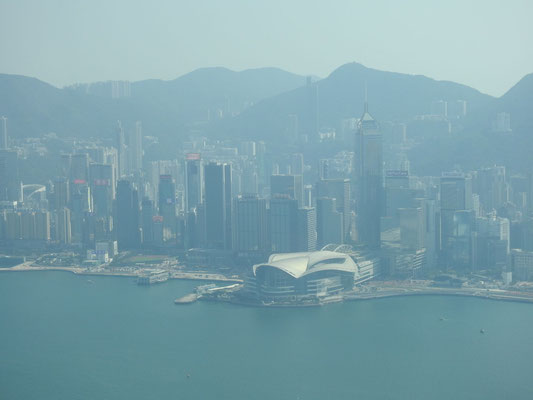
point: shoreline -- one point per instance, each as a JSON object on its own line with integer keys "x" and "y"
{"x": 241, "y": 302}
{"x": 192, "y": 276}
{"x": 383, "y": 292}
{"x": 489, "y": 296}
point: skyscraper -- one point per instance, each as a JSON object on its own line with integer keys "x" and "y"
{"x": 283, "y": 224}
{"x": 251, "y": 224}
{"x": 80, "y": 205}
{"x": 338, "y": 189}
{"x": 79, "y": 169}
{"x": 287, "y": 185}
{"x": 292, "y": 128}
{"x": 297, "y": 164}
{"x": 61, "y": 193}
{"x": 306, "y": 229}
{"x": 136, "y": 149}
{"x": 42, "y": 225}
{"x": 167, "y": 205}
{"x": 193, "y": 181}
{"x": 455, "y": 197}
{"x": 147, "y": 215}
{"x": 218, "y": 207}
{"x": 492, "y": 188}
{"x": 13, "y": 228}
{"x": 127, "y": 221}
{"x": 412, "y": 228}
{"x": 64, "y": 167}
{"x": 329, "y": 224}
{"x": 102, "y": 181}
{"x": 63, "y": 228}
{"x": 121, "y": 150}
{"x": 368, "y": 180}
{"x": 10, "y": 185}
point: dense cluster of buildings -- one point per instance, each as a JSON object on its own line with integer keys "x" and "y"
{"x": 224, "y": 203}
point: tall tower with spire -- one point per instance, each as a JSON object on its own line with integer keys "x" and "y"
{"x": 368, "y": 179}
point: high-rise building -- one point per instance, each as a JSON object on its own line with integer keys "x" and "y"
{"x": 167, "y": 205}
{"x": 102, "y": 184}
{"x": 127, "y": 221}
{"x": 13, "y": 225}
{"x": 283, "y": 224}
{"x": 63, "y": 227}
{"x": 250, "y": 180}
{"x": 42, "y": 225}
{"x": 10, "y": 185}
{"x": 292, "y": 128}
{"x": 121, "y": 151}
{"x": 492, "y": 188}
{"x": 80, "y": 205}
{"x": 193, "y": 181}
{"x": 306, "y": 229}
{"x": 297, "y": 164}
{"x": 64, "y": 167}
{"x": 61, "y": 193}
{"x": 136, "y": 148}
{"x": 27, "y": 220}
{"x": 247, "y": 148}
{"x": 287, "y": 185}
{"x": 399, "y": 133}
{"x": 218, "y": 207}
{"x": 368, "y": 180}
{"x": 147, "y": 215}
{"x": 3, "y": 134}
{"x": 251, "y": 219}
{"x": 412, "y": 228}
{"x": 338, "y": 189}
{"x": 79, "y": 169}
{"x": 456, "y": 220}
{"x": 455, "y": 195}
{"x": 329, "y": 224}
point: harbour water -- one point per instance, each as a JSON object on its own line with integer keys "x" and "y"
{"x": 63, "y": 336}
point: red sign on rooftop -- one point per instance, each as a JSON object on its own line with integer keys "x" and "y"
{"x": 192, "y": 156}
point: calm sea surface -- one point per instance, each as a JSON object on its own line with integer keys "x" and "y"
{"x": 62, "y": 337}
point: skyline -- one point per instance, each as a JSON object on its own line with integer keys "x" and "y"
{"x": 174, "y": 39}
{"x": 338, "y": 195}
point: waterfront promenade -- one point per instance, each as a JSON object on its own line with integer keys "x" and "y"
{"x": 380, "y": 289}
{"x": 187, "y": 275}
{"x": 369, "y": 291}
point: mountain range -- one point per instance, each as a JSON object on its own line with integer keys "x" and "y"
{"x": 255, "y": 104}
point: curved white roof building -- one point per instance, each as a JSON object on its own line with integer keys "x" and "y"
{"x": 316, "y": 274}
{"x": 300, "y": 264}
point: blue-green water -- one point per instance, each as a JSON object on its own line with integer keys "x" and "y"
{"x": 64, "y": 338}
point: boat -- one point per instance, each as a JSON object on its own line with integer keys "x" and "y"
{"x": 187, "y": 299}
{"x": 482, "y": 331}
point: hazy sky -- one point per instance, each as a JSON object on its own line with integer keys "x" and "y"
{"x": 484, "y": 44}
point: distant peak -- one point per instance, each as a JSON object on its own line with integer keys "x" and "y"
{"x": 349, "y": 68}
